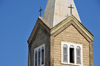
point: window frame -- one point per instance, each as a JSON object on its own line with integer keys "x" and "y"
{"x": 68, "y": 50}
{"x": 36, "y": 49}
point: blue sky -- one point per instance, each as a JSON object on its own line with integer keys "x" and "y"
{"x": 18, "y": 17}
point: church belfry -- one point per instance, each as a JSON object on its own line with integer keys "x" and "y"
{"x": 59, "y": 38}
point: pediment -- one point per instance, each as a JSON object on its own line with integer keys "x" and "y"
{"x": 71, "y": 20}
{"x": 41, "y": 23}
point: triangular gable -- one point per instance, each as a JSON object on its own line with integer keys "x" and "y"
{"x": 69, "y": 20}
{"x": 40, "y": 23}
{"x": 74, "y": 21}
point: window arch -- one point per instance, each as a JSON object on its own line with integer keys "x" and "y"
{"x": 71, "y": 46}
{"x": 65, "y": 59}
{"x": 78, "y": 54}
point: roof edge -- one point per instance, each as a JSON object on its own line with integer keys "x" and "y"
{"x": 40, "y": 19}
{"x": 68, "y": 19}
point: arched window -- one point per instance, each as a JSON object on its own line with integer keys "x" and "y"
{"x": 39, "y": 57}
{"x": 71, "y": 54}
{"x": 78, "y": 55}
{"x": 65, "y": 59}
{"x": 36, "y": 58}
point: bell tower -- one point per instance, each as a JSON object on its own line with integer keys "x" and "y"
{"x": 59, "y": 38}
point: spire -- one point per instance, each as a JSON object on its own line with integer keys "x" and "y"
{"x": 57, "y": 10}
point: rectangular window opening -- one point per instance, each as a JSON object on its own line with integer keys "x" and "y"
{"x": 71, "y": 55}
{"x": 35, "y": 58}
{"x": 42, "y": 56}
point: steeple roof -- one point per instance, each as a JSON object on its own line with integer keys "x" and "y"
{"x": 57, "y": 10}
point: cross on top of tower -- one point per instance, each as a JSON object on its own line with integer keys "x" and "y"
{"x": 40, "y": 11}
{"x": 71, "y": 8}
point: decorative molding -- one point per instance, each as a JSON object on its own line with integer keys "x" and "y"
{"x": 39, "y": 24}
{"x": 72, "y": 20}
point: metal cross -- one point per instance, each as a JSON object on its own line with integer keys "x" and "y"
{"x": 40, "y": 11}
{"x": 71, "y": 8}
